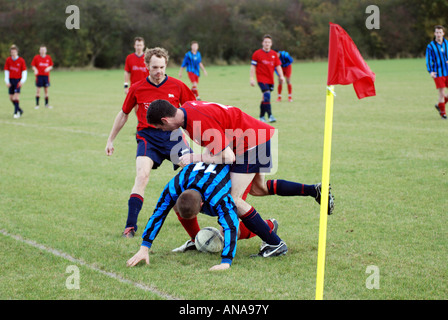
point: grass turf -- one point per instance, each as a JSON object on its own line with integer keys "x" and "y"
{"x": 388, "y": 174}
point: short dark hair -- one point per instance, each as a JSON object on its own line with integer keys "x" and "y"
{"x": 189, "y": 203}
{"x": 159, "y": 109}
{"x": 439, "y": 27}
{"x": 139, "y": 39}
{"x": 267, "y": 36}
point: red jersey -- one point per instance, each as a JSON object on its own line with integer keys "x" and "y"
{"x": 218, "y": 126}
{"x": 15, "y": 67}
{"x": 144, "y": 92}
{"x": 41, "y": 63}
{"x": 135, "y": 65}
{"x": 265, "y": 63}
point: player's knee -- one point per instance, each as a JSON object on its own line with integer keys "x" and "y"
{"x": 267, "y": 96}
{"x": 258, "y": 190}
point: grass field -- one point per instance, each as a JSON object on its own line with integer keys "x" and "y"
{"x": 63, "y": 202}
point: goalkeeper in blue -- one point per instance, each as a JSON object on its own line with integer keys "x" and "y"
{"x": 207, "y": 182}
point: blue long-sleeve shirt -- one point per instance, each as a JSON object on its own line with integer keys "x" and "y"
{"x": 192, "y": 62}
{"x": 437, "y": 57}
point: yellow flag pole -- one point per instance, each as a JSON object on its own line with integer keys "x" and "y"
{"x": 324, "y": 194}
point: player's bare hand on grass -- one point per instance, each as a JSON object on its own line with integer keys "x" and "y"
{"x": 219, "y": 267}
{"x": 141, "y": 255}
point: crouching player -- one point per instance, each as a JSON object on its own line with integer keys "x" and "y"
{"x": 208, "y": 182}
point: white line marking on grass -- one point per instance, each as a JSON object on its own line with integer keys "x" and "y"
{"x": 85, "y": 264}
{"x": 30, "y": 125}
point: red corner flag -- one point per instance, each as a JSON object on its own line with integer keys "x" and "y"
{"x": 346, "y": 65}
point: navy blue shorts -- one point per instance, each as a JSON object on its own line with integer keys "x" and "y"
{"x": 255, "y": 160}
{"x": 161, "y": 145}
{"x": 14, "y": 86}
{"x": 42, "y": 81}
{"x": 265, "y": 87}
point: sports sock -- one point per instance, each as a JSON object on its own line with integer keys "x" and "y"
{"x": 269, "y": 109}
{"x": 289, "y": 89}
{"x": 247, "y": 234}
{"x": 135, "y": 204}
{"x": 190, "y": 225}
{"x": 16, "y": 106}
{"x": 46, "y": 101}
{"x": 279, "y": 90}
{"x": 442, "y": 107}
{"x": 288, "y": 188}
{"x": 262, "y": 110}
{"x": 446, "y": 99}
{"x": 195, "y": 91}
{"x": 253, "y": 221}
{"x": 37, "y": 100}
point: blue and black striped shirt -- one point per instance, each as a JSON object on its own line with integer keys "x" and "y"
{"x": 192, "y": 62}
{"x": 437, "y": 57}
{"x": 285, "y": 58}
{"x": 213, "y": 183}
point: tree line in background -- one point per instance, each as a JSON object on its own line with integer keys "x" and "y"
{"x": 228, "y": 31}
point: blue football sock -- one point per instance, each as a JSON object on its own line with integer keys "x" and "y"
{"x": 135, "y": 204}
{"x": 253, "y": 221}
{"x": 288, "y": 188}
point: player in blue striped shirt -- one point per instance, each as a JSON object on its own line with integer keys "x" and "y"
{"x": 212, "y": 183}
{"x": 286, "y": 60}
{"x": 193, "y": 62}
{"x": 437, "y": 66}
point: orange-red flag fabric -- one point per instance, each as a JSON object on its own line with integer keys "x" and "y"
{"x": 346, "y": 65}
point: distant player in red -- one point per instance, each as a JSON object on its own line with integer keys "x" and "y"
{"x": 135, "y": 67}
{"x": 15, "y": 77}
{"x": 286, "y": 61}
{"x": 264, "y": 62}
{"x": 231, "y": 136}
{"x": 42, "y": 65}
{"x": 153, "y": 145}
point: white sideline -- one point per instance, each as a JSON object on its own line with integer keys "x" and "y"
{"x": 92, "y": 267}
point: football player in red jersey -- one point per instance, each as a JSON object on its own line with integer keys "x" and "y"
{"x": 231, "y": 136}
{"x": 15, "y": 77}
{"x": 42, "y": 65}
{"x": 153, "y": 145}
{"x": 135, "y": 67}
{"x": 264, "y": 62}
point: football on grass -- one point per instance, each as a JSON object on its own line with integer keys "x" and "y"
{"x": 210, "y": 240}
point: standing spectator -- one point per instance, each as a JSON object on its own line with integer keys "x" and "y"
{"x": 264, "y": 62}
{"x": 437, "y": 65}
{"x": 42, "y": 65}
{"x": 15, "y": 77}
{"x": 193, "y": 63}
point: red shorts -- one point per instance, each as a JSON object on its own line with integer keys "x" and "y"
{"x": 441, "y": 82}
{"x": 287, "y": 71}
{"x": 193, "y": 77}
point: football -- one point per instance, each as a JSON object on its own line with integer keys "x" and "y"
{"x": 210, "y": 240}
